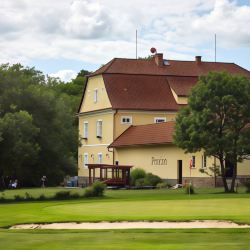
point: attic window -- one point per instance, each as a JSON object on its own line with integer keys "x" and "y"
{"x": 165, "y": 62}
{"x": 160, "y": 119}
{"x": 126, "y": 120}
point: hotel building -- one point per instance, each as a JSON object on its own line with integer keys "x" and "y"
{"x": 127, "y": 115}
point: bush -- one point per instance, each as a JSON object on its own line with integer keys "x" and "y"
{"x": 162, "y": 185}
{"x": 28, "y": 197}
{"x": 189, "y": 189}
{"x": 136, "y": 174}
{"x": 148, "y": 180}
{"x": 18, "y": 198}
{"x": 62, "y": 195}
{"x": 140, "y": 182}
{"x": 96, "y": 190}
{"x": 152, "y": 180}
{"x": 41, "y": 197}
{"x": 247, "y": 185}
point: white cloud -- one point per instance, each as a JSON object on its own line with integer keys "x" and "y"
{"x": 96, "y": 31}
{"x": 65, "y": 75}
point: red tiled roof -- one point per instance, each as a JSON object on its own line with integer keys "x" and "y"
{"x": 141, "y": 92}
{"x": 157, "y": 133}
{"x": 142, "y": 84}
{"x": 182, "y": 85}
{"x": 174, "y": 67}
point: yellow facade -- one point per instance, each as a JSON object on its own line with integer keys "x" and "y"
{"x": 162, "y": 160}
{"x": 139, "y": 118}
{"x": 95, "y": 83}
{"x": 98, "y": 108}
{"x": 179, "y": 99}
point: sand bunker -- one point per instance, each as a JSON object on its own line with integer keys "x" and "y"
{"x": 134, "y": 225}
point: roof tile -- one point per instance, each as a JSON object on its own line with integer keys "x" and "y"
{"x": 157, "y": 133}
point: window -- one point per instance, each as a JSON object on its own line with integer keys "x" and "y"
{"x": 85, "y": 130}
{"x": 100, "y": 158}
{"x": 160, "y": 119}
{"x": 95, "y": 95}
{"x": 85, "y": 160}
{"x": 204, "y": 161}
{"x": 99, "y": 129}
{"x": 193, "y": 162}
{"x": 126, "y": 120}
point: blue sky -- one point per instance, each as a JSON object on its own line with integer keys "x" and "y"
{"x": 62, "y": 37}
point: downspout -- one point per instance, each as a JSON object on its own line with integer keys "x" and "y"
{"x": 113, "y": 136}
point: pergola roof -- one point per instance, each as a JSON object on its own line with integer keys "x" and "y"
{"x": 108, "y": 166}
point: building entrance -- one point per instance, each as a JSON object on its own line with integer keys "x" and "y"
{"x": 179, "y": 171}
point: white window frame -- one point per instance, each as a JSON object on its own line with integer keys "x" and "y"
{"x": 95, "y": 95}
{"x": 85, "y": 131}
{"x": 99, "y": 128}
{"x": 85, "y": 160}
{"x": 160, "y": 118}
{"x": 126, "y": 117}
{"x": 204, "y": 160}
{"x": 100, "y": 158}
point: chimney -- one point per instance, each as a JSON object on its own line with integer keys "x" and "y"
{"x": 198, "y": 60}
{"x": 159, "y": 59}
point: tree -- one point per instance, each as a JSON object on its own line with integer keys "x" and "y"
{"x": 216, "y": 120}
{"x": 52, "y": 112}
{"x": 18, "y": 147}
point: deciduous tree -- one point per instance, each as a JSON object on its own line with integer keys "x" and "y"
{"x": 216, "y": 120}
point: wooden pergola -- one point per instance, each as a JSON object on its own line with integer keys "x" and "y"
{"x": 112, "y": 175}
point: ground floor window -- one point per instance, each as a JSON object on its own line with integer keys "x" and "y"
{"x": 192, "y": 162}
{"x": 100, "y": 158}
{"x": 204, "y": 161}
{"x": 85, "y": 160}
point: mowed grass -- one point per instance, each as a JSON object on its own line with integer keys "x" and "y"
{"x": 201, "y": 239}
{"x": 130, "y": 205}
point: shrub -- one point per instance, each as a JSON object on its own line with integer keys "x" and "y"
{"x": 2, "y": 198}
{"x": 152, "y": 180}
{"x": 247, "y": 185}
{"x": 96, "y": 190}
{"x": 18, "y": 198}
{"x": 140, "y": 182}
{"x": 189, "y": 189}
{"x": 162, "y": 185}
{"x": 89, "y": 192}
{"x": 41, "y": 197}
{"x": 62, "y": 195}
{"x": 136, "y": 174}
{"x": 75, "y": 196}
{"x": 28, "y": 197}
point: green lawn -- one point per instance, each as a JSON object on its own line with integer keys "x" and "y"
{"x": 201, "y": 239}
{"x": 127, "y": 205}
{"x": 131, "y": 205}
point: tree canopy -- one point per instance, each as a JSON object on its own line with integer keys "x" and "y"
{"x": 38, "y": 128}
{"x": 216, "y": 120}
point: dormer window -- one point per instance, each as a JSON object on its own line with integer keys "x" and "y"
{"x": 95, "y": 95}
{"x": 126, "y": 120}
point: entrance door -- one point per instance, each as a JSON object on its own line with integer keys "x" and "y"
{"x": 179, "y": 171}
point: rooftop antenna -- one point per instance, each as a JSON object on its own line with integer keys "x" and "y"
{"x": 135, "y": 44}
{"x": 215, "y": 47}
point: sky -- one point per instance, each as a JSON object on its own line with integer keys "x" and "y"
{"x": 61, "y": 37}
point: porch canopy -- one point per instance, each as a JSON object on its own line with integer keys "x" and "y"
{"x": 112, "y": 175}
